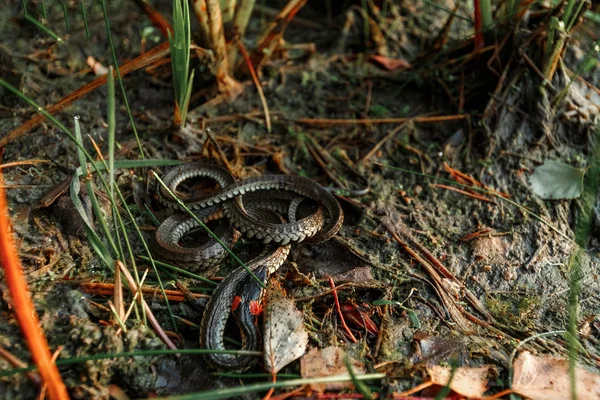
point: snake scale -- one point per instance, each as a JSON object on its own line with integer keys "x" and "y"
{"x": 264, "y": 208}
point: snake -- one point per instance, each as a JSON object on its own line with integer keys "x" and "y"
{"x": 263, "y": 207}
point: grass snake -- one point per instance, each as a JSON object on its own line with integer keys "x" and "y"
{"x": 265, "y": 207}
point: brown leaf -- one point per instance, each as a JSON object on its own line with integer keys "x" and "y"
{"x": 328, "y": 362}
{"x": 285, "y": 336}
{"x": 548, "y": 378}
{"x": 467, "y": 381}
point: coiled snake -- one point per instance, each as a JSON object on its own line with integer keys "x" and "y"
{"x": 263, "y": 207}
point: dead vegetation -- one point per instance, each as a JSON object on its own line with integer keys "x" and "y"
{"x": 450, "y": 275}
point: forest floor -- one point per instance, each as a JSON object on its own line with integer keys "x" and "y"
{"x": 394, "y": 109}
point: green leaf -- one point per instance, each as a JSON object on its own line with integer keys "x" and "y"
{"x": 411, "y": 313}
{"x": 554, "y": 180}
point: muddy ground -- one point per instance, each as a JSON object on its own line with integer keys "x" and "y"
{"x": 515, "y": 266}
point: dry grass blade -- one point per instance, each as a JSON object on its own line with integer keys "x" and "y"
{"x": 161, "y": 333}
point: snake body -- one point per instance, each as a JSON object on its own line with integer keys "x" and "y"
{"x": 264, "y": 208}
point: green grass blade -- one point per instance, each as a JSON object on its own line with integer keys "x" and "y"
{"x": 141, "y": 353}
{"x": 90, "y": 192}
{"x": 180, "y": 271}
{"x": 116, "y": 65}
{"x": 43, "y": 28}
{"x": 210, "y": 233}
{"x": 85, "y": 23}
{"x": 358, "y": 384}
{"x": 110, "y": 114}
{"x": 264, "y": 386}
{"x": 179, "y": 43}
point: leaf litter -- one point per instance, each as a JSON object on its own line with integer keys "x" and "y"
{"x": 497, "y": 152}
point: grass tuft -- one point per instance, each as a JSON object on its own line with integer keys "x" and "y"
{"x": 180, "y": 42}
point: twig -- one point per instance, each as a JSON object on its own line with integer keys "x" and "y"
{"x": 539, "y": 73}
{"x": 219, "y": 151}
{"x": 387, "y": 137}
{"x": 22, "y": 162}
{"x": 15, "y": 362}
{"x": 106, "y": 289}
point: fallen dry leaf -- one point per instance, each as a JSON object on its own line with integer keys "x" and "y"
{"x": 328, "y": 362}
{"x": 285, "y": 338}
{"x": 391, "y": 64}
{"x": 467, "y": 381}
{"x": 548, "y": 378}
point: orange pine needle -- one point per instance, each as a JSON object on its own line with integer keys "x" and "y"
{"x": 476, "y": 196}
{"x": 259, "y": 89}
{"x": 23, "y": 306}
{"x": 339, "y": 310}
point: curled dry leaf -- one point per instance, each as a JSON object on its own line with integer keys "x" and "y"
{"x": 285, "y": 336}
{"x": 548, "y": 378}
{"x": 467, "y": 381}
{"x": 328, "y": 362}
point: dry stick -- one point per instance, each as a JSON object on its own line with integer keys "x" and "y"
{"x": 320, "y": 121}
{"x": 387, "y": 137}
{"x": 450, "y": 304}
{"x": 323, "y": 165}
{"x": 291, "y": 393}
{"x": 133, "y": 286}
{"x": 219, "y": 151}
{"x": 23, "y": 306}
{"x": 498, "y": 395}
{"x": 339, "y": 310}
{"x": 22, "y": 162}
{"x": 106, "y": 289}
{"x": 272, "y": 390}
{"x": 368, "y": 100}
{"x": 202, "y": 17}
{"x": 15, "y": 362}
{"x": 496, "y": 54}
{"x": 535, "y": 69}
{"x": 133, "y": 300}
{"x": 139, "y": 62}
{"x": 259, "y": 88}
{"x": 470, "y": 297}
{"x": 497, "y": 89}
{"x": 465, "y": 179}
{"x": 326, "y": 292}
{"x": 235, "y": 117}
{"x": 580, "y": 78}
